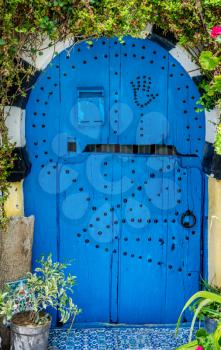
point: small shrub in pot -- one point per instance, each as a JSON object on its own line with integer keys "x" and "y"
{"x": 210, "y": 313}
{"x": 47, "y": 287}
{"x": 206, "y": 306}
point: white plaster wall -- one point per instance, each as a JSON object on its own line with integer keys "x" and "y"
{"x": 214, "y": 232}
{"x": 47, "y": 53}
{"x": 147, "y": 30}
{"x": 15, "y": 122}
{"x": 212, "y": 120}
{"x": 185, "y": 59}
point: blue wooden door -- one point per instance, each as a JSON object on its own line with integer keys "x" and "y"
{"x": 121, "y": 222}
{"x": 116, "y": 147}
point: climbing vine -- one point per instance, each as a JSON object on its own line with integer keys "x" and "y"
{"x": 24, "y": 25}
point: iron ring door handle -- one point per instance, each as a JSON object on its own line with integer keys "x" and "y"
{"x": 191, "y": 222}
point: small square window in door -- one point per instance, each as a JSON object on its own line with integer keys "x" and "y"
{"x": 90, "y": 106}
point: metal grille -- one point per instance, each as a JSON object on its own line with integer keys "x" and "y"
{"x": 131, "y": 149}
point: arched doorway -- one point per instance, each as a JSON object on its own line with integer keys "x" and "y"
{"x": 116, "y": 182}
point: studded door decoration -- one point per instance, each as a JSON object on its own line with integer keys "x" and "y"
{"x": 116, "y": 183}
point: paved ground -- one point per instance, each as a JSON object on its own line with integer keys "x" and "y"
{"x": 131, "y": 338}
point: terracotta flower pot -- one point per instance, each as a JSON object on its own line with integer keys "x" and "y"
{"x": 29, "y": 337}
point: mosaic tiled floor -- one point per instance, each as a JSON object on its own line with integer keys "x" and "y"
{"x": 133, "y": 338}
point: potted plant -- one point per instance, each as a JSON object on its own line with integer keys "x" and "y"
{"x": 211, "y": 313}
{"x": 206, "y": 303}
{"x": 46, "y": 287}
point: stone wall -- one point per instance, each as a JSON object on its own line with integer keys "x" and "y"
{"x": 16, "y": 248}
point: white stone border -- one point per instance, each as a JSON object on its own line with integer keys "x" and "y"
{"x": 212, "y": 121}
{"x": 47, "y": 53}
{"x": 186, "y": 60}
{"x": 15, "y": 123}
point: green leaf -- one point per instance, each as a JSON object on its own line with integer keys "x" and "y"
{"x": 218, "y": 39}
{"x": 201, "y": 333}
{"x": 21, "y": 30}
{"x": 216, "y": 337}
{"x": 217, "y": 83}
{"x": 2, "y": 42}
{"x": 190, "y": 346}
{"x": 208, "y": 61}
{"x": 201, "y": 305}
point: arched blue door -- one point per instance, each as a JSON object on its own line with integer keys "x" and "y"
{"x": 116, "y": 182}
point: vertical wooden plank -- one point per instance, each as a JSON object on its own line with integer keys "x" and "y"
{"x": 115, "y": 100}
{"x": 183, "y": 268}
{"x": 193, "y": 235}
{"x": 176, "y": 245}
{"x": 86, "y": 233}
{"x": 117, "y": 235}
{"x": 88, "y": 239}
{"x": 142, "y": 247}
{"x": 187, "y": 126}
{"x": 115, "y": 91}
{"x": 143, "y": 86}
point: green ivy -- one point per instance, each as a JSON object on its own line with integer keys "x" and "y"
{"x": 218, "y": 140}
{"x": 208, "y": 61}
